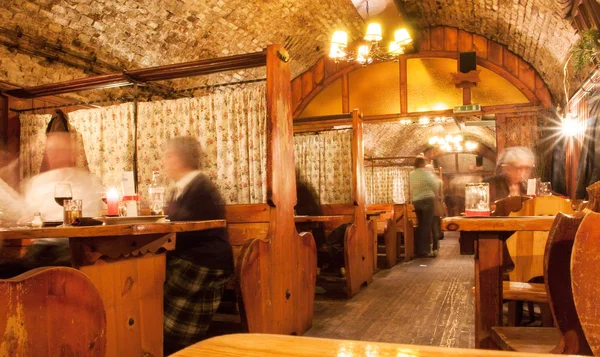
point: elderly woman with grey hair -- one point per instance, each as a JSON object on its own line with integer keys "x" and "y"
{"x": 513, "y": 168}
{"x": 202, "y": 263}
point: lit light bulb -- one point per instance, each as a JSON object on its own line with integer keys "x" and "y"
{"x": 424, "y": 121}
{"x": 402, "y": 37}
{"x": 395, "y": 48}
{"x": 374, "y": 33}
{"x": 433, "y": 140}
{"x": 340, "y": 38}
{"x": 336, "y": 51}
{"x": 458, "y": 138}
{"x": 569, "y": 126}
{"x": 405, "y": 121}
{"x": 362, "y": 55}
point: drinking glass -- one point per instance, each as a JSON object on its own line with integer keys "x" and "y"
{"x": 62, "y": 192}
{"x": 71, "y": 210}
{"x": 545, "y": 189}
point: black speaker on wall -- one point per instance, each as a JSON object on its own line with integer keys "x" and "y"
{"x": 478, "y": 161}
{"x": 467, "y": 61}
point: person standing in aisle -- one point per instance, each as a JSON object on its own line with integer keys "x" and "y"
{"x": 423, "y": 185}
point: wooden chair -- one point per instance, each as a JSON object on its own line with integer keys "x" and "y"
{"x": 567, "y": 337}
{"x": 585, "y": 272}
{"x": 51, "y": 312}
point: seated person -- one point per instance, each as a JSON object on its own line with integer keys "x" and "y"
{"x": 38, "y": 196}
{"x": 202, "y": 263}
{"x": 330, "y": 249}
{"x": 513, "y": 168}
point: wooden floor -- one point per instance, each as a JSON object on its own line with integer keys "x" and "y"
{"x": 423, "y": 302}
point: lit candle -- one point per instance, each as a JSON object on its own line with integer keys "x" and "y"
{"x": 112, "y": 201}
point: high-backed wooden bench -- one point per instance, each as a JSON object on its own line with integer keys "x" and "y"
{"x": 406, "y": 221}
{"x": 567, "y": 337}
{"x": 358, "y": 246}
{"x": 585, "y": 270}
{"x": 386, "y": 229}
{"x": 49, "y": 312}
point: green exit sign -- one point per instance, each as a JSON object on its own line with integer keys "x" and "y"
{"x": 467, "y": 108}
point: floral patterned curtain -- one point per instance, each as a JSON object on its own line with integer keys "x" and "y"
{"x": 33, "y": 143}
{"x": 324, "y": 161}
{"x": 105, "y": 141}
{"x": 231, "y": 127}
{"x": 387, "y": 184}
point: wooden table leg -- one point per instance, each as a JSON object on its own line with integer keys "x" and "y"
{"x": 129, "y": 272}
{"x": 488, "y": 287}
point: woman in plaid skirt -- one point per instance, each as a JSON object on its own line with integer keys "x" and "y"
{"x": 202, "y": 263}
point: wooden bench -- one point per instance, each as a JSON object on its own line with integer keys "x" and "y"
{"x": 252, "y": 345}
{"x": 406, "y": 221}
{"x": 49, "y": 312}
{"x": 358, "y": 246}
{"x": 387, "y": 231}
{"x": 567, "y": 337}
{"x": 585, "y": 270}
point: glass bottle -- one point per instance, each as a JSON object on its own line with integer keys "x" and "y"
{"x": 156, "y": 195}
{"x": 37, "y": 220}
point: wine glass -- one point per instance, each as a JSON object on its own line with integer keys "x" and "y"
{"x": 62, "y": 192}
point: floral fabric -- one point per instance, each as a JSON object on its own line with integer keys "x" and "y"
{"x": 231, "y": 126}
{"x": 387, "y": 184}
{"x": 105, "y": 141}
{"x": 33, "y": 143}
{"x": 324, "y": 161}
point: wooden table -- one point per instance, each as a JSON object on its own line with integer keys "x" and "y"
{"x": 490, "y": 233}
{"x": 126, "y": 263}
{"x": 254, "y": 345}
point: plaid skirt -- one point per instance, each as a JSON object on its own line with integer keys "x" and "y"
{"x": 192, "y": 296}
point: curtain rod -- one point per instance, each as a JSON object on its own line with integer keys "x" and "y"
{"x": 125, "y": 99}
{"x": 320, "y": 131}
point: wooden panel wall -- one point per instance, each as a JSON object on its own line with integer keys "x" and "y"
{"x": 441, "y": 41}
{"x": 516, "y": 130}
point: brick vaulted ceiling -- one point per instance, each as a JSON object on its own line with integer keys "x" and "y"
{"x": 142, "y": 33}
{"x": 540, "y": 31}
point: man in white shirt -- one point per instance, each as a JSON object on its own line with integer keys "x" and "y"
{"x": 38, "y": 196}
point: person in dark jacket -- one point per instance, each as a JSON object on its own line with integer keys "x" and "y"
{"x": 514, "y": 167}
{"x": 202, "y": 263}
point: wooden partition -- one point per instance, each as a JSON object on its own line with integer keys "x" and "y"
{"x": 358, "y": 244}
{"x": 275, "y": 267}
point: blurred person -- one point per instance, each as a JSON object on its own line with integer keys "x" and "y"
{"x": 513, "y": 169}
{"x": 202, "y": 263}
{"x": 38, "y": 196}
{"x": 438, "y": 213}
{"x": 424, "y": 186}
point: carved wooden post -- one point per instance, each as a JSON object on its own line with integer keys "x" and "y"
{"x": 278, "y": 275}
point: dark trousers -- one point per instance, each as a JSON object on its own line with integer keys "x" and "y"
{"x": 436, "y": 230}
{"x": 424, "y": 211}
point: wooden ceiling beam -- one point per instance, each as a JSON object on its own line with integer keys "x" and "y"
{"x": 324, "y": 122}
{"x": 188, "y": 69}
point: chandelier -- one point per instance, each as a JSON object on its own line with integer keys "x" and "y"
{"x": 452, "y": 143}
{"x": 366, "y": 53}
